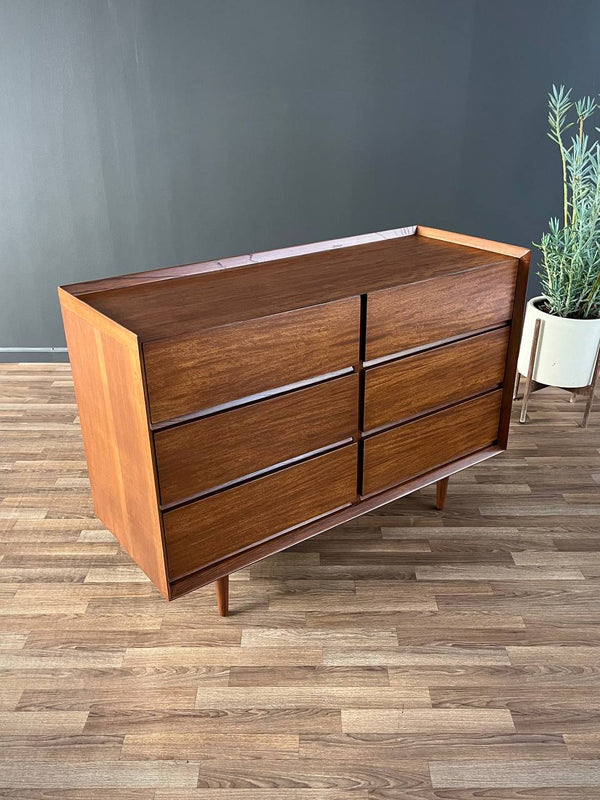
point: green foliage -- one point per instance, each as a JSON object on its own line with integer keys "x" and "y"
{"x": 570, "y": 269}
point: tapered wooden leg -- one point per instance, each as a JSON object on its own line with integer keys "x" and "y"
{"x": 590, "y": 400}
{"x": 222, "y": 587}
{"x": 441, "y": 489}
{"x": 528, "y": 382}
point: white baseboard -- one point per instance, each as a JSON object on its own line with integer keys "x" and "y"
{"x": 33, "y": 349}
{"x": 50, "y": 355}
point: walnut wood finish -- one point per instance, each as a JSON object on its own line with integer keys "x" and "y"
{"x": 287, "y": 282}
{"x": 441, "y": 490}
{"x": 390, "y": 657}
{"x": 222, "y": 589}
{"x": 512, "y": 250}
{"x": 416, "y": 447}
{"x": 300, "y": 534}
{"x": 110, "y": 394}
{"x": 254, "y": 437}
{"x": 230, "y": 521}
{"x": 246, "y": 358}
{"x": 405, "y": 317}
{"x": 418, "y": 383}
{"x": 234, "y": 385}
{"x": 235, "y": 262}
{"x": 514, "y": 343}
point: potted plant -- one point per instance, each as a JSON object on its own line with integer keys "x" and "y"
{"x": 569, "y": 309}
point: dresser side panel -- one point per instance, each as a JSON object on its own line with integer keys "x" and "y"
{"x": 514, "y": 344}
{"x": 109, "y": 388}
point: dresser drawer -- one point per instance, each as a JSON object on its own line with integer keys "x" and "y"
{"x": 235, "y": 519}
{"x": 223, "y": 364}
{"x": 416, "y": 447}
{"x": 422, "y": 313}
{"x": 434, "y": 378}
{"x": 210, "y": 452}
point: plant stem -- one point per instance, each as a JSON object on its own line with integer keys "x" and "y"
{"x": 565, "y": 186}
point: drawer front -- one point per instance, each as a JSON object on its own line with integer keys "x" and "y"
{"x": 235, "y": 519}
{"x": 416, "y": 447}
{"x": 434, "y": 378}
{"x": 224, "y": 364}
{"x": 210, "y": 452}
{"x": 422, "y": 313}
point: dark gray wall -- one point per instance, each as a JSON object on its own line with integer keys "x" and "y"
{"x": 143, "y": 133}
{"x": 510, "y": 174}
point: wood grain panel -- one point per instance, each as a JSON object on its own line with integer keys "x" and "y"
{"x": 243, "y": 359}
{"x": 514, "y": 343}
{"x": 225, "y": 523}
{"x": 75, "y": 780}
{"x": 438, "y": 745}
{"x": 529, "y": 774}
{"x": 404, "y": 317}
{"x": 269, "y": 283}
{"x": 416, "y": 447}
{"x": 210, "y": 452}
{"x": 427, "y": 720}
{"x": 434, "y": 378}
{"x": 107, "y": 374}
{"x": 208, "y": 745}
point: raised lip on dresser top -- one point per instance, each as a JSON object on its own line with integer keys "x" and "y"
{"x": 290, "y": 283}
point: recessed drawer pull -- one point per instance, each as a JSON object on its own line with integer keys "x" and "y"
{"x": 223, "y": 364}
{"x": 434, "y": 378}
{"x": 245, "y": 515}
{"x": 436, "y": 309}
{"x": 411, "y": 449}
{"x": 217, "y": 450}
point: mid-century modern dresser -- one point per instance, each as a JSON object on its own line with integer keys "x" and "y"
{"x": 233, "y": 408}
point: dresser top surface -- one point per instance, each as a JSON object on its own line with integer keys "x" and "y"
{"x": 182, "y": 300}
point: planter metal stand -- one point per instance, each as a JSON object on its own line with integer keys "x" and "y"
{"x": 532, "y": 386}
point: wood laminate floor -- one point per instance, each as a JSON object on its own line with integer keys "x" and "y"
{"x": 409, "y": 654}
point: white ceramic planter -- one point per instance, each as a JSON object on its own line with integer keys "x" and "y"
{"x": 567, "y": 348}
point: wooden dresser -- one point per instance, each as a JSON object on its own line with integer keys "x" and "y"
{"x": 233, "y": 408}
